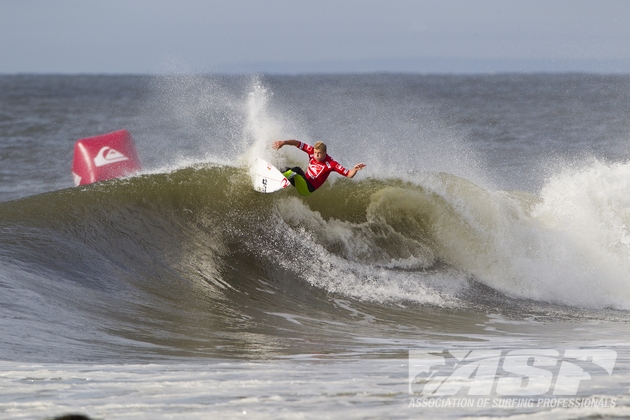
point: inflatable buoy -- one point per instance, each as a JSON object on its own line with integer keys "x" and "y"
{"x": 104, "y": 157}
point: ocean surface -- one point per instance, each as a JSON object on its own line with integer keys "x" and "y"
{"x": 479, "y": 266}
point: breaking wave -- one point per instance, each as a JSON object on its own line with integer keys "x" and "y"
{"x": 425, "y": 239}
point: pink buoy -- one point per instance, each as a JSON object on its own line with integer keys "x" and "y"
{"x": 104, "y": 157}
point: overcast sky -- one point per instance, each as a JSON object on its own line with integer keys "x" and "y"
{"x": 292, "y": 36}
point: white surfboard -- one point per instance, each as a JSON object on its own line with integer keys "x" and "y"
{"x": 267, "y": 178}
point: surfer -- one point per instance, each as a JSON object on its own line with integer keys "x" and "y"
{"x": 320, "y": 165}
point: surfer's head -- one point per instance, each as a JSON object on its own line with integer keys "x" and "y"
{"x": 320, "y": 151}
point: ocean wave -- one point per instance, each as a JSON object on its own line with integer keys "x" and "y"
{"x": 425, "y": 239}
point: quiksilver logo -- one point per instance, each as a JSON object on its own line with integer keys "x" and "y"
{"x": 108, "y": 155}
{"x": 314, "y": 170}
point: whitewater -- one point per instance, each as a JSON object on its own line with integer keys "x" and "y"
{"x": 491, "y": 223}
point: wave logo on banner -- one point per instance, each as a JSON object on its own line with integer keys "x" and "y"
{"x": 108, "y": 155}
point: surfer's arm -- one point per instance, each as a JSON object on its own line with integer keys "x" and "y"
{"x": 278, "y": 144}
{"x": 352, "y": 172}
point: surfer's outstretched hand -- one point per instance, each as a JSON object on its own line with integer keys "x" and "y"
{"x": 278, "y": 144}
{"x": 356, "y": 168}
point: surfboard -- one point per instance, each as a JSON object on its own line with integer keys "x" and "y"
{"x": 266, "y": 178}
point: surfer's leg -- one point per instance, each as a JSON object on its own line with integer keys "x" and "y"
{"x": 297, "y": 178}
{"x": 301, "y": 185}
{"x": 289, "y": 173}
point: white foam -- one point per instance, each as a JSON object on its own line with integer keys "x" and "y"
{"x": 570, "y": 246}
{"x": 356, "y": 272}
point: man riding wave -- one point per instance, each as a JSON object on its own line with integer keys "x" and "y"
{"x": 320, "y": 165}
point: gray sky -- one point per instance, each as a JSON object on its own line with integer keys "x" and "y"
{"x": 284, "y": 36}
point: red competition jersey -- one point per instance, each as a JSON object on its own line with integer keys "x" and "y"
{"x": 318, "y": 172}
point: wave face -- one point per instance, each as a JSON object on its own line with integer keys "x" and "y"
{"x": 197, "y": 250}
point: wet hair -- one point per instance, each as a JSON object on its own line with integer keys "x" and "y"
{"x": 320, "y": 146}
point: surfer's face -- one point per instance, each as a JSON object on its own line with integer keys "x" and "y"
{"x": 319, "y": 155}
